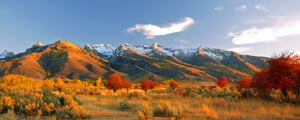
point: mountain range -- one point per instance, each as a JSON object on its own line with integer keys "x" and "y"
{"x": 134, "y": 62}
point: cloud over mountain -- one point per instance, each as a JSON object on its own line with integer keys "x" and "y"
{"x": 239, "y": 49}
{"x": 268, "y": 34}
{"x": 151, "y": 31}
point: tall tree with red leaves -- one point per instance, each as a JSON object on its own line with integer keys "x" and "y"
{"x": 147, "y": 84}
{"x": 297, "y": 89}
{"x": 222, "y": 82}
{"x": 244, "y": 83}
{"x": 114, "y": 82}
{"x": 280, "y": 74}
{"x": 127, "y": 84}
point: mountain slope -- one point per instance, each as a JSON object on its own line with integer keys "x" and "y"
{"x": 158, "y": 68}
{"x": 134, "y": 62}
{"x": 61, "y": 59}
{"x": 214, "y": 63}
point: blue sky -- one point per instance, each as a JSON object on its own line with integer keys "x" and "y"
{"x": 255, "y": 27}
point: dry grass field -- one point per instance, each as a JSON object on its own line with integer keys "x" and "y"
{"x": 194, "y": 108}
{"x": 27, "y": 98}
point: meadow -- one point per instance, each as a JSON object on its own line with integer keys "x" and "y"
{"x": 60, "y": 98}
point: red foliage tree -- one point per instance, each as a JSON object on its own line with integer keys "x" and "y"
{"x": 127, "y": 84}
{"x": 244, "y": 86}
{"x": 114, "y": 82}
{"x": 244, "y": 83}
{"x": 156, "y": 84}
{"x": 147, "y": 84}
{"x": 173, "y": 84}
{"x": 222, "y": 82}
{"x": 297, "y": 89}
{"x": 280, "y": 74}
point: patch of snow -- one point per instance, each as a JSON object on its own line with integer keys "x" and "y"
{"x": 108, "y": 50}
{"x": 166, "y": 51}
{"x": 143, "y": 49}
{"x": 216, "y": 54}
{"x": 105, "y": 49}
{"x": 3, "y": 54}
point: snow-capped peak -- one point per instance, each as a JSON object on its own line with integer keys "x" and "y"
{"x": 106, "y": 50}
{"x": 5, "y": 54}
{"x": 143, "y": 49}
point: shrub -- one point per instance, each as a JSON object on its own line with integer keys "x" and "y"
{"x": 165, "y": 109}
{"x": 244, "y": 83}
{"x": 32, "y": 109}
{"x": 134, "y": 94}
{"x": 127, "y": 84}
{"x": 48, "y": 108}
{"x": 244, "y": 87}
{"x": 222, "y": 82}
{"x": 211, "y": 114}
{"x": 145, "y": 113}
{"x": 70, "y": 109}
{"x": 124, "y": 105}
{"x": 114, "y": 82}
{"x": 48, "y": 96}
{"x": 281, "y": 73}
{"x": 173, "y": 84}
{"x": 98, "y": 82}
{"x": 156, "y": 84}
{"x": 6, "y": 103}
{"x": 186, "y": 91}
{"x": 147, "y": 84}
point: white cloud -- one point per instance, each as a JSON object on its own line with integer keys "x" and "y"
{"x": 241, "y": 8}
{"x": 220, "y": 8}
{"x": 151, "y": 31}
{"x": 261, "y": 7}
{"x": 240, "y": 49}
{"x": 267, "y": 34}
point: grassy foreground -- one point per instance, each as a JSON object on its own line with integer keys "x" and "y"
{"x": 108, "y": 107}
{"x": 27, "y": 98}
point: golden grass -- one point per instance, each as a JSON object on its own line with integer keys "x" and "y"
{"x": 107, "y": 107}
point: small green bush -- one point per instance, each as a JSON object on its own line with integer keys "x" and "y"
{"x": 165, "y": 109}
{"x": 134, "y": 95}
{"x": 70, "y": 109}
{"x": 124, "y": 105}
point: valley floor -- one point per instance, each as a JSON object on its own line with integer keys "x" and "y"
{"x": 194, "y": 108}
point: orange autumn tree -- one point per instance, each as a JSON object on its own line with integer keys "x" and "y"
{"x": 173, "y": 84}
{"x": 127, "y": 84}
{"x": 222, "y": 82}
{"x": 147, "y": 84}
{"x": 114, "y": 82}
